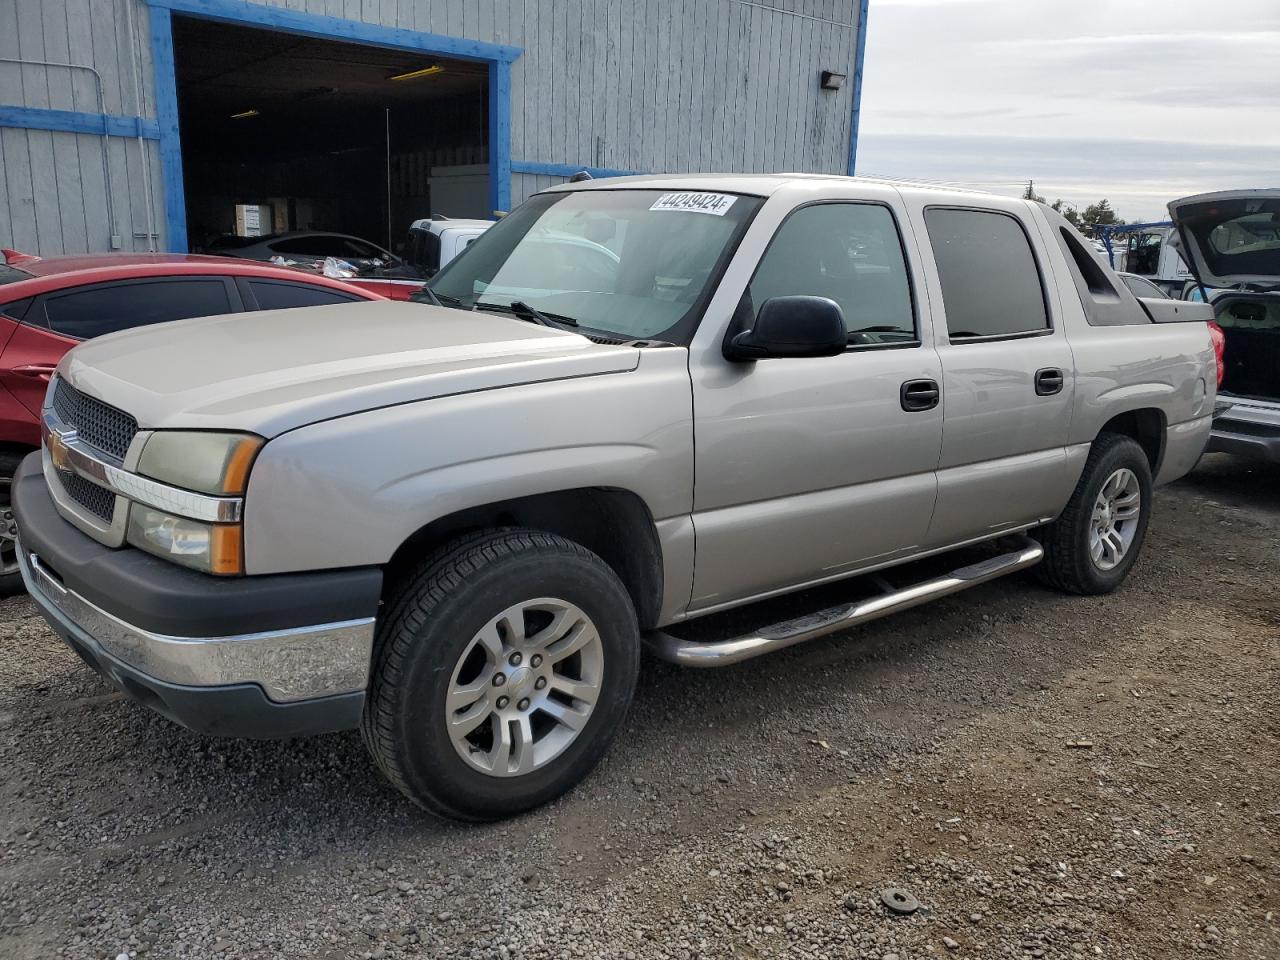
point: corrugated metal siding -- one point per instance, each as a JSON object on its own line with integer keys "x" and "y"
{"x": 53, "y": 193}
{"x": 642, "y": 85}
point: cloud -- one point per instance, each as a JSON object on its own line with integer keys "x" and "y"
{"x": 1138, "y": 176}
{"x": 1145, "y": 100}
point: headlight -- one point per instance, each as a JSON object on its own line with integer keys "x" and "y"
{"x": 209, "y": 547}
{"x": 213, "y": 463}
{"x": 216, "y": 464}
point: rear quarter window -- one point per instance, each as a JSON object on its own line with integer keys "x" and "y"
{"x": 16, "y": 309}
{"x": 272, "y": 295}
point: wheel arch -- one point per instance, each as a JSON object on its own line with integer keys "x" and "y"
{"x": 1145, "y": 425}
{"x": 613, "y": 523}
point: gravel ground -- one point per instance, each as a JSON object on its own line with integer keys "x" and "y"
{"x": 1049, "y": 776}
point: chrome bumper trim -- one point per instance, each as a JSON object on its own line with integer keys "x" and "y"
{"x": 69, "y": 452}
{"x": 295, "y": 664}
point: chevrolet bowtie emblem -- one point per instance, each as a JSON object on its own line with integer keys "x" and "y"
{"x": 58, "y": 452}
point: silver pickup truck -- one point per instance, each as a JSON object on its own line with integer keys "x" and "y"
{"x": 633, "y": 403}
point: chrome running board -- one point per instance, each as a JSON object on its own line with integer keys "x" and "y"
{"x": 1026, "y": 553}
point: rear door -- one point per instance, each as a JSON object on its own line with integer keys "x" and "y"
{"x": 1008, "y": 372}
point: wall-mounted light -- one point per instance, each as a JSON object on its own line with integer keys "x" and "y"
{"x": 244, "y": 114}
{"x": 832, "y": 80}
{"x": 415, "y": 74}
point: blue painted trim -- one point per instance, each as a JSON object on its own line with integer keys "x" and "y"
{"x": 498, "y": 56}
{"x": 499, "y": 135}
{"x": 859, "y": 55}
{"x": 333, "y": 28}
{"x": 564, "y": 169}
{"x": 72, "y": 121}
{"x": 175, "y": 199}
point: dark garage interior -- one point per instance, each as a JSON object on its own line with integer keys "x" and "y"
{"x": 325, "y": 135}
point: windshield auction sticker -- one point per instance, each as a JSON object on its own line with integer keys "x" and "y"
{"x": 716, "y": 204}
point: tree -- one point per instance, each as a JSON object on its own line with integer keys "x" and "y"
{"x": 1071, "y": 214}
{"x": 1100, "y": 214}
{"x": 1030, "y": 193}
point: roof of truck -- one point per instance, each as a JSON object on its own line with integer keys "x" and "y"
{"x": 761, "y": 184}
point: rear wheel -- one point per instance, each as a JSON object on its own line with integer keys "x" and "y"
{"x": 10, "y": 577}
{"x": 504, "y": 667}
{"x": 1092, "y": 546}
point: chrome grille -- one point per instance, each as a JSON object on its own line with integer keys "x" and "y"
{"x": 99, "y": 501}
{"x": 97, "y": 424}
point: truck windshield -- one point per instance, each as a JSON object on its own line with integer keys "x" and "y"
{"x": 632, "y": 264}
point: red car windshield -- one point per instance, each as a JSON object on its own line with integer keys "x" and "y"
{"x": 10, "y": 274}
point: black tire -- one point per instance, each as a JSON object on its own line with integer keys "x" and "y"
{"x": 10, "y": 583}
{"x": 430, "y": 622}
{"x": 1067, "y": 563}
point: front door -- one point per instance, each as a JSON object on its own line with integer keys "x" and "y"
{"x": 808, "y": 469}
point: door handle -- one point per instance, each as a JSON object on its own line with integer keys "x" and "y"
{"x": 37, "y": 371}
{"x": 917, "y": 395}
{"x": 1049, "y": 381}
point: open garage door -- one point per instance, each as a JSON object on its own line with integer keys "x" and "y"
{"x": 284, "y": 132}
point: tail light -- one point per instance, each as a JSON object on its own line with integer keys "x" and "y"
{"x": 1219, "y": 339}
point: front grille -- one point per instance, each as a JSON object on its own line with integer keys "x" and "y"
{"x": 98, "y": 424}
{"x": 99, "y": 501}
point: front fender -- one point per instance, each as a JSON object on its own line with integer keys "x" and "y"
{"x": 348, "y": 492}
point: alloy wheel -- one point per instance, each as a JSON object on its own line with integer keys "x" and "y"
{"x": 1114, "y": 522}
{"x": 524, "y": 687}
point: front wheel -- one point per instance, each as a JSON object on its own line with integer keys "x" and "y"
{"x": 1092, "y": 546}
{"x": 10, "y": 575}
{"x": 502, "y": 671}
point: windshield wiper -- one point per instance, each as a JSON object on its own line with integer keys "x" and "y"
{"x": 528, "y": 312}
{"x": 425, "y": 294}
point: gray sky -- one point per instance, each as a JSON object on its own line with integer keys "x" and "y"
{"x": 1140, "y": 101}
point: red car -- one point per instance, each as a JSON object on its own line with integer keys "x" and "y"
{"x": 49, "y": 305}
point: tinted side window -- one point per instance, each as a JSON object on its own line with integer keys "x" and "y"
{"x": 17, "y": 310}
{"x": 850, "y": 253}
{"x": 307, "y": 246}
{"x": 425, "y": 247}
{"x": 358, "y": 248}
{"x": 281, "y": 296}
{"x": 118, "y": 306}
{"x": 990, "y": 282}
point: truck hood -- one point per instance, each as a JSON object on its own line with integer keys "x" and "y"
{"x": 1231, "y": 238}
{"x": 271, "y": 371}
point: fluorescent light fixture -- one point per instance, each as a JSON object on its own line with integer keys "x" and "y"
{"x": 415, "y": 74}
{"x": 244, "y": 114}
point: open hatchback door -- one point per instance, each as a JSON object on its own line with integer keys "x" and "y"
{"x": 1231, "y": 241}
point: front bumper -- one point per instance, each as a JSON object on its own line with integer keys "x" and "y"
{"x": 1248, "y": 430}
{"x": 263, "y": 657}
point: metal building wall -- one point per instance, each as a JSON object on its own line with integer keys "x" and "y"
{"x": 616, "y": 85}
{"x": 53, "y": 184}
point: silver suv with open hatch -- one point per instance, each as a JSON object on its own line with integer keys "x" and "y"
{"x": 455, "y": 525}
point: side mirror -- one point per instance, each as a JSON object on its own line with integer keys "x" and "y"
{"x": 792, "y": 327}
